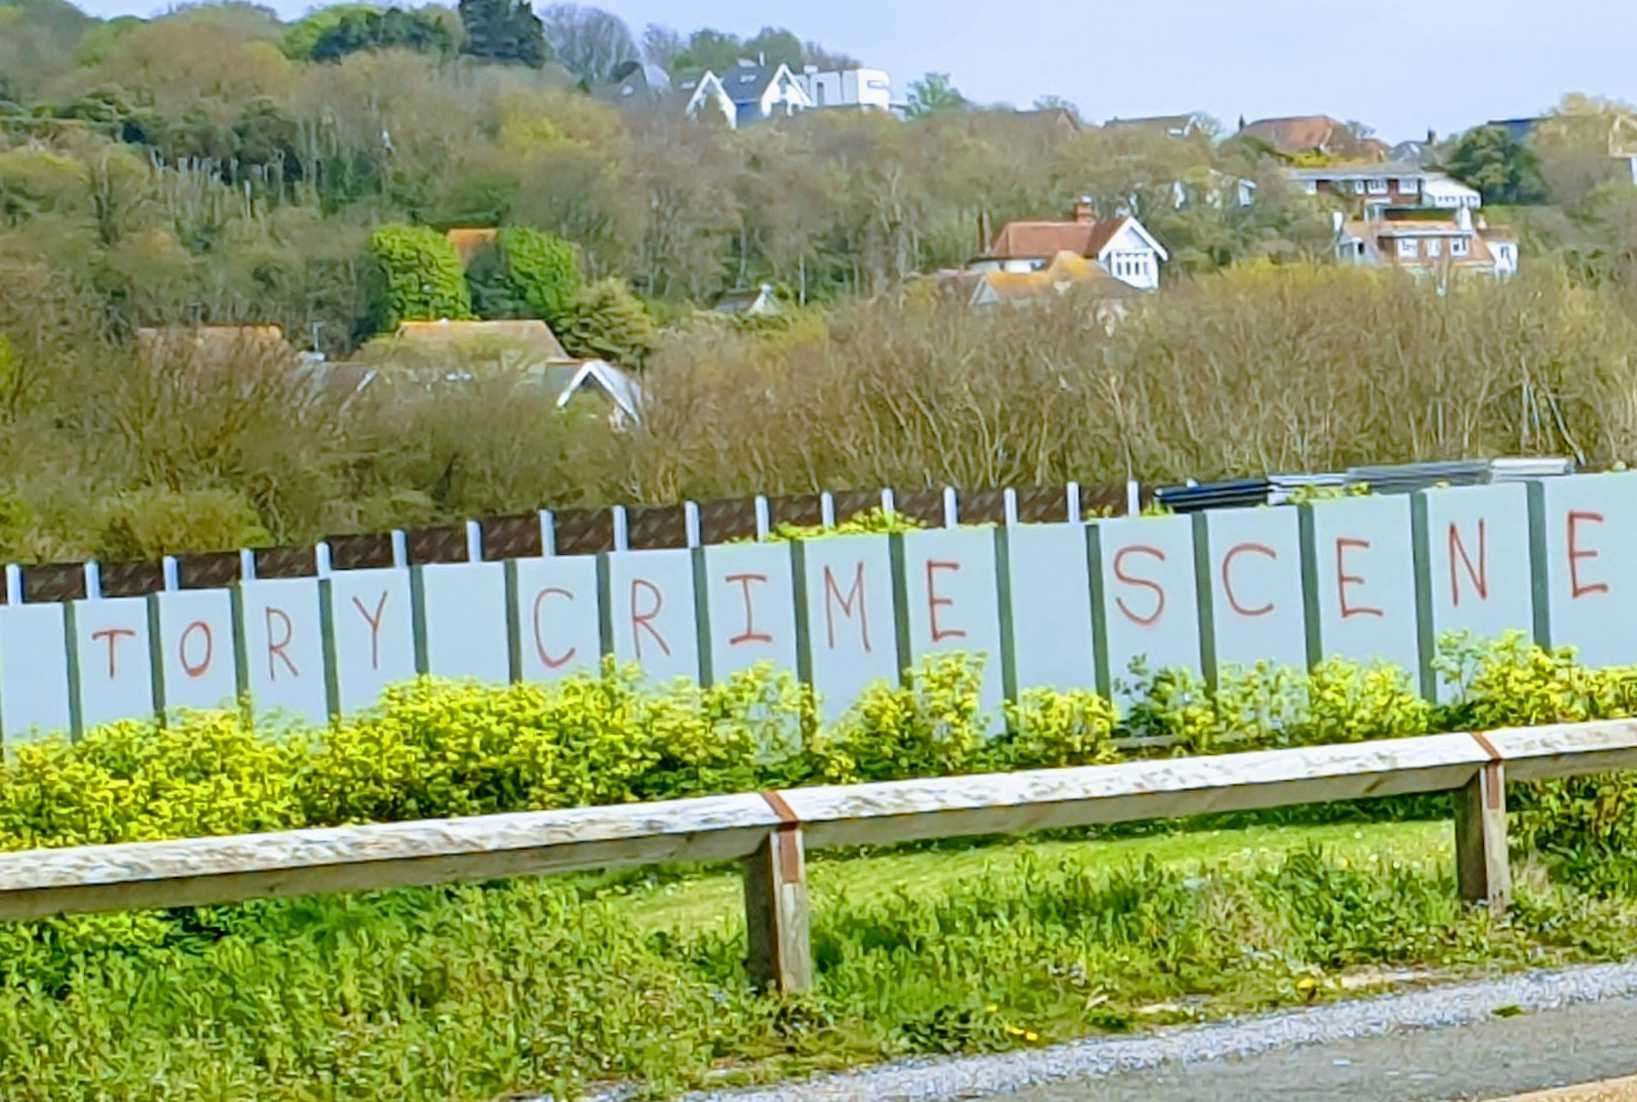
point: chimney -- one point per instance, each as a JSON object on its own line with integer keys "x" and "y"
{"x": 985, "y": 235}
{"x": 1084, "y": 214}
{"x": 1463, "y": 217}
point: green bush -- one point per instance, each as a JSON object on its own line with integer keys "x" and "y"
{"x": 417, "y": 276}
{"x": 606, "y": 321}
{"x": 528, "y": 274}
{"x": 205, "y": 774}
{"x": 932, "y": 724}
{"x": 145, "y": 524}
{"x": 435, "y": 749}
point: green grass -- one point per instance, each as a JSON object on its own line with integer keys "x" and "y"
{"x": 471, "y": 993}
{"x": 705, "y": 900}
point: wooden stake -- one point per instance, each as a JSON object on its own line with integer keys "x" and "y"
{"x": 1481, "y": 866}
{"x": 776, "y": 912}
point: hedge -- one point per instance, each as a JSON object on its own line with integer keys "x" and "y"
{"x": 436, "y": 749}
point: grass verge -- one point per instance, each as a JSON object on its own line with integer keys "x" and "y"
{"x": 471, "y": 993}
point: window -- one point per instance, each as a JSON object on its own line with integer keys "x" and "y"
{"x": 1358, "y": 187}
{"x": 1435, "y": 247}
{"x": 1460, "y": 247}
{"x": 1406, "y": 248}
{"x": 1310, "y": 186}
{"x": 1378, "y": 185}
{"x": 1410, "y": 185}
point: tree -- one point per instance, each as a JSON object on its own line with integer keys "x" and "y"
{"x": 528, "y": 274}
{"x": 710, "y": 49}
{"x": 504, "y": 30}
{"x": 607, "y": 322}
{"x": 826, "y": 59}
{"x": 418, "y": 277}
{"x": 775, "y": 46}
{"x": 590, "y": 42}
{"x": 934, "y": 93}
{"x": 370, "y": 30}
{"x": 1057, "y": 103}
{"x": 1502, "y": 168}
{"x": 662, "y": 46}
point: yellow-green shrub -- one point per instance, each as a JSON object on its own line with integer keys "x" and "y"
{"x": 205, "y": 774}
{"x": 1347, "y": 702}
{"x": 932, "y": 725}
{"x": 1055, "y": 730}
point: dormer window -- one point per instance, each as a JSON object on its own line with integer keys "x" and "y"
{"x": 1378, "y": 186}
{"x": 1460, "y": 247}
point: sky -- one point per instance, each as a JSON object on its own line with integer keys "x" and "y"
{"x": 1400, "y": 66}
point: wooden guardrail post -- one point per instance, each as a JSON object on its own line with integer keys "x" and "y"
{"x": 776, "y": 912}
{"x": 1482, "y": 869}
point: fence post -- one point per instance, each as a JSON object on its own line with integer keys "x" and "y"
{"x": 776, "y": 914}
{"x": 1482, "y": 871}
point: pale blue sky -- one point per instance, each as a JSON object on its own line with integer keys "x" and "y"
{"x": 1399, "y": 65}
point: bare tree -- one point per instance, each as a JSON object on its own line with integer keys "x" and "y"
{"x": 662, "y": 45}
{"x": 590, "y": 42}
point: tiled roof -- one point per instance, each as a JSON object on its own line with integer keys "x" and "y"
{"x": 469, "y": 242}
{"x": 1351, "y": 169}
{"x": 1030, "y": 239}
{"x": 534, "y": 334}
{"x": 1295, "y": 133}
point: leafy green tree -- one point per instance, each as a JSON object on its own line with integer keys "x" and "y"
{"x": 393, "y": 28}
{"x": 302, "y": 36}
{"x": 417, "y": 277}
{"x": 528, "y": 274}
{"x": 504, "y": 30}
{"x": 606, "y": 321}
{"x": 1503, "y": 169}
{"x": 934, "y": 93}
{"x": 709, "y": 49}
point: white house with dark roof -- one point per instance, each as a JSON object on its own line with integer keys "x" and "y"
{"x": 704, "y": 96}
{"x": 746, "y": 94}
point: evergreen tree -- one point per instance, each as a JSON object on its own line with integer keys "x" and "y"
{"x": 504, "y": 30}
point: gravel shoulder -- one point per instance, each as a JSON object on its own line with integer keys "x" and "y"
{"x": 1447, "y": 1042}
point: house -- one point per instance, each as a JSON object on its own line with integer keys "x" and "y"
{"x": 1321, "y": 135}
{"x": 1122, "y": 246}
{"x": 857, "y": 89}
{"x": 1426, "y": 243}
{"x": 1370, "y": 188}
{"x": 1172, "y": 126}
{"x": 1520, "y": 129}
{"x": 635, "y": 84}
{"x": 749, "y": 302}
{"x": 525, "y": 341}
{"x": 746, "y": 94}
{"x": 1218, "y": 189}
{"x": 704, "y": 96}
{"x": 596, "y": 380}
{"x": 571, "y": 382}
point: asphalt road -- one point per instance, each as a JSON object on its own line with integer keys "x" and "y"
{"x": 1489, "y": 1059}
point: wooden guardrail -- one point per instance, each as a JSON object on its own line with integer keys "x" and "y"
{"x": 772, "y": 831}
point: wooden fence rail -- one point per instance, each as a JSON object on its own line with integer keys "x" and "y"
{"x": 772, "y": 831}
